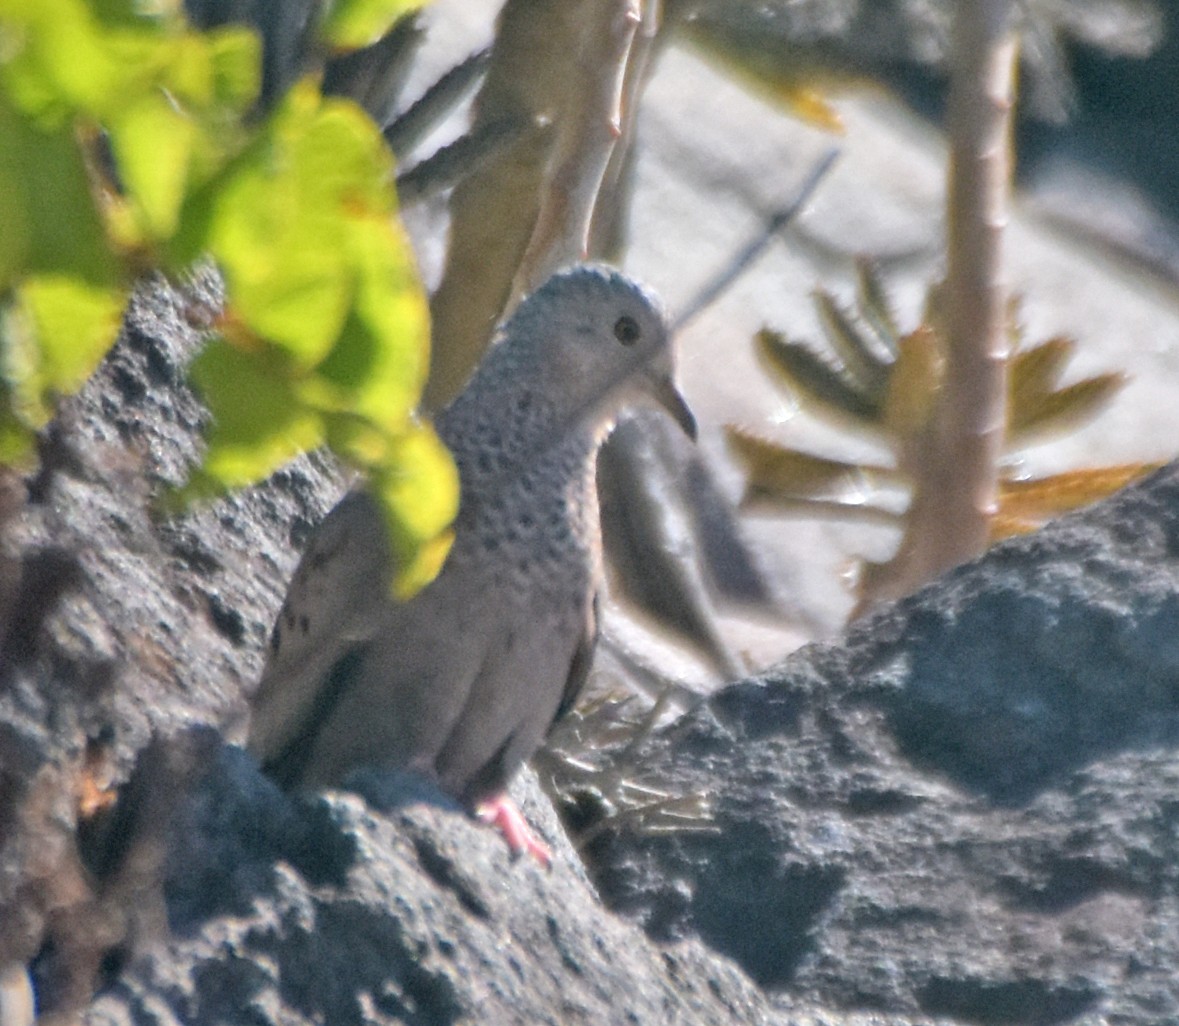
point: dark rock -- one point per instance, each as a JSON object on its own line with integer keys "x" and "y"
{"x": 321, "y": 909}
{"x": 966, "y": 810}
{"x": 207, "y": 895}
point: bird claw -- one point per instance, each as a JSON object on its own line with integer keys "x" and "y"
{"x": 501, "y": 813}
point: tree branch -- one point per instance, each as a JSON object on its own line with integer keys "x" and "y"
{"x": 955, "y": 467}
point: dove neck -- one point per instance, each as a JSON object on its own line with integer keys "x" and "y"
{"x": 502, "y": 435}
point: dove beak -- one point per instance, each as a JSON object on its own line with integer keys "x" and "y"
{"x": 664, "y": 391}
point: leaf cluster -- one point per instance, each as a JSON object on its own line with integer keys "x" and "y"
{"x": 882, "y": 383}
{"x": 130, "y": 142}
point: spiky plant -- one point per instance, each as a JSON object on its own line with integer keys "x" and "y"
{"x": 882, "y": 382}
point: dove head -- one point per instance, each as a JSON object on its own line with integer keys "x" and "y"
{"x": 586, "y": 343}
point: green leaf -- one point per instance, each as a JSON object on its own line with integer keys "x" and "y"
{"x": 187, "y": 112}
{"x": 16, "y": 441}
{"x": 235, "y": 64}
{"x": 813, "y": 380}
{"x": 874, "y": 303}
{"x": 866, "y": 367}
{"x": 325, "y": 333}
{"x": 419, "y": 490}
{"x": 153, "y": 143}
{"x": 279, "y": 220}
{"x": 383, "y": 352}
{"x": 55, "y": 331}
{"x": 351, "y": 24}
{"x": 50, "y": 224}
{"x": 56, "y": 62}
{"x": 258, "y": 422}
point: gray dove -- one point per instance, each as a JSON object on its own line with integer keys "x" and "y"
{"x": 462, "y": 682}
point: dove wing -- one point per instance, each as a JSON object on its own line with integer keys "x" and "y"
{"x": 583, "y": 657}
{"x": 532, "y": 671}
{"x": 332, "y": 607}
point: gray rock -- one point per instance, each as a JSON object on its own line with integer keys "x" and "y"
{"x": 318, "y": 910}
{"x": 325, "y": 910}
{"x": 966, "y": 809}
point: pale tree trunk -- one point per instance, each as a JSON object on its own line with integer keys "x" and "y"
{"x": 585, "y": 144}
{"x": 566, "y": 74}
{"x": 955, "y": 467}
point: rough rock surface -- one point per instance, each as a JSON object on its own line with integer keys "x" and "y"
{"x": 966, "y": 812}
{"x": 965, "y": 809}
{"x": 324, "y": 910}
{"x": 315, "y": 909}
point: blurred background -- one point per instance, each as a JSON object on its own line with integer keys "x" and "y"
{"x": 1091, "y": 250}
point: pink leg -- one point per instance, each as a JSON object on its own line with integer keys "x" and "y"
{"x": 501, "y": 813}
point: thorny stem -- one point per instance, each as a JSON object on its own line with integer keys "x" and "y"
{"x": 956, "y": 469}
{"x": 560, "y": 70}
{"x": 590, "y": 129}
{"x": 607, "y": 230}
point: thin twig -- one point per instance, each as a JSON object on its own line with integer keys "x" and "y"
{"x": 757, "y": 245}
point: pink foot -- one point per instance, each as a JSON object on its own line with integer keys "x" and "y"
{"x": 501, "y": 813}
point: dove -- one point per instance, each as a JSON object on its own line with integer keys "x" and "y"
{"x": 461, "y": 682}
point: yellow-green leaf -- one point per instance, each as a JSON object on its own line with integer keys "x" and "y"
{"x": 54, "y": 59}
{"x": 764, "y": 61}
{"x": 152, "y": 143}
{"x": 54, "y": 333}
{"x": 258, "y": 423}
{"x": 777, "y": 472}
{"x": 914, "y": 384}
{"x": 279, "y": 222}
{"x": 1062, "y": 409}
{"x": 351, "y": 24}
{"x": 1036, "y": 369}
{"x": 419, "y": 491}
{"x": 389, "y": 330}
{"x": 16, "y": 440}
{"x": 235, "y": 65}
{"x": 48, "y": 221}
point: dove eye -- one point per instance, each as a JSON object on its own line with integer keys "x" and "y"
{"x": 626, "y": 330}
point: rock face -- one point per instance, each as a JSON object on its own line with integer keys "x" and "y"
{"x": 966, "y": 809}
{"x": 964, "y": 812}
{"x": 314, "y": 909}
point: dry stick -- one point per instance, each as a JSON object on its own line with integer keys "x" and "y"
{"x": 757, "y": 245}
{"x": 607, "y": 230}
{"x": 493, "y": 210}
{"x": 957, "y": 468}
{"x": 588, "y": 132}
